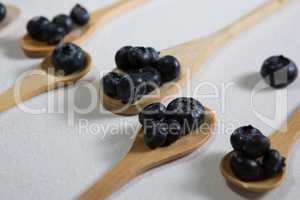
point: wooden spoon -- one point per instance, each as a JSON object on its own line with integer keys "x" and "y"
{"x": 141, "y": 159}
{"x": 192, "y": 55}
{"x": 12, "y": 14}
{"x": 33, "y": 48}
{"x": 38, "y": 81}
{"x": 283, "y": 141}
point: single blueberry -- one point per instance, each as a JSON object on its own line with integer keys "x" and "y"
{"x": 239, "y": 136}
{"x": 255, "y": 145}
{"x": 131, "y": 88}
{"x": 244, "y": 168}
{"x": 37, "y": 28}
{"x": 2, "y": 11}
{"x": 189, "y": 112}
{"x": 175, "y": 131}
{"x": 154, "y": 112}
{"x": 273, "y": 163}
{"x": 121, "y": 58}
{"x": 279, "y": 71}
{"x": 68, "y": 58}
{"x": 80, "y": 15}
{"x": 155, "y": 134}
{"x": 169, "y": 67}
{"x": 139, "y": 57}
{"x": 152, "y": 78}
{"x": 56, "y": 34}
{"x": 110, "y": 82}
{"x": 154, "y": 54}
{"x": 64, "y": 21}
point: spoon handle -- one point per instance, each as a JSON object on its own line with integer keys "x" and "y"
{"x": 30, "y": 85}
{"x": 122, "y": 173}
{"x": 248, "y": 21}
{"x": 284, "y": 139}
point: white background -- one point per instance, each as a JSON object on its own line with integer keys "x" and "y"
{"x": 45, "y": 157}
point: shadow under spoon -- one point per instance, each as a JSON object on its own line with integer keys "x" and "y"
{"x": 283, "y": 140}
{"x": 192, "y": 55}
{"x": 33, "y": 48}
{"x": 12, "y": 14}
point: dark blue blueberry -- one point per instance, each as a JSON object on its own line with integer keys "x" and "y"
{"x": 131, "y": 88}
{"x": 155, "y": 134}
{"x": 169, "y": 67}
{"x": 140, "y": 57}
{"x": 279, "y": 71}
{"x": 2, "y": 11}
{"x": 239, "y": 136}
{"x": 189, "y": 112}
{"x": 68, "y": 58}
{"x": 255, "y": 145}
{"x": 152, "y": 112}
{"x": 64, "y": 21}
{"x": 110, "y": 82}
{"x": 121, "y": 58}
{"x": 244, "y": 168}
{"x": 56, "y": 34}
{"x": 152, "y": 78}
{"x": 80, "y": 15}
{"x": 175, "y": 131}
{"x": 37, "y": 28}
{"x": 273, "y": 163}
{"x": 154, "y": 54}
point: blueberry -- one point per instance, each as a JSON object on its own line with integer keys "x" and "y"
{"x": 154, "y": 54}
{"x": 140, "y": 57}
{"x": 80, "y": 15}
{"x": 121, "y": 58}
{"x": 2, "y": 11}
{"x": 55, "y": 34}
{"x": 169, "y": 67}
{"x": 244, "y": 168}
{"x": 68, "y": 58}
{"x": 273, "y": 163}
{"x": 37, "y": 28}
{"x": 279, "y": 71}
{"x": 256, "y": 145}
{"x": 152, "y": 78}
{"x": 175, "y": 131}
{"x": 239, "y": 136}
{"x": 110, "y": 82}
{"x": 155, "y": 134}
{"x": 155, "y": 111}
{"x": 188, "y": 112}
{"x": 131, "y": 88}
{"x": 64, "y": 21}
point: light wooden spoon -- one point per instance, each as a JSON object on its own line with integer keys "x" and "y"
{"x": 12, "y": 14}
{"x": 38, "y": 81}
{"x": 141, "y": 159}
{"x": 33, "y": 48}
{"x": 283, "y": 141}
{"x": 192, "y": 55}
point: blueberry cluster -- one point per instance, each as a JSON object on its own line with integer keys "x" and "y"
{"x": 68, "y": 58}
{"x": 143, "y": 70}
{"x": 252, "y": 159}
{"x": 41, "y": 29}
{"x": 165, "y": 125}
{"x": 2, "y": 11}
{"x": 279, "y": 71}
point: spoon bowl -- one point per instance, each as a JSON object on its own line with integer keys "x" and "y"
{"x": 192, "y": 55}
{"x": 12, "y": 14}
{"x": 39, "y": 81}
{"x": 141, "y": 159}
{"x": 35, "y": 49}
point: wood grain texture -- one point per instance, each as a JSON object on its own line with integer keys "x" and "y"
{"x": 282, "y": 140}
{"x": 12, "y": 14}
{"x": 192, "y": 55}
{"x": 141, "y": 159}
{"x": 37, "y": 82}
{"x": 35, "y": 49}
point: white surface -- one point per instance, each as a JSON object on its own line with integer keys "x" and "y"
{"x": 44, "y": 157}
